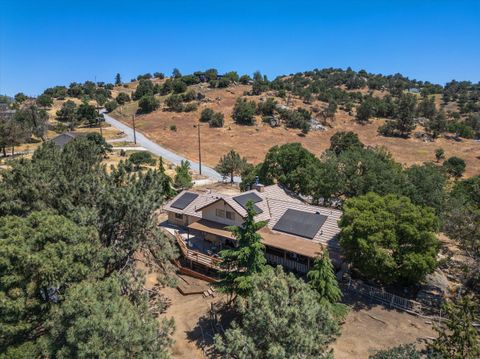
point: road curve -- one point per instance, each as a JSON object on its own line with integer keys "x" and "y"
{"x": 162, "y": 151}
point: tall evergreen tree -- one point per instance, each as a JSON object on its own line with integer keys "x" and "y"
{"x": 231, "y": 164}
{"x": 322, "y": 279}
{"x": 241, "y": 263}
{"x": 118, "y": 79}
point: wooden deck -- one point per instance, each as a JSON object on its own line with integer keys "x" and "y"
{"x": 196, "y": 256}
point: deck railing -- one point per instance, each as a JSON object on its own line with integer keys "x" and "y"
{"x": 197, "y": 256}
{"x": 287, "y": 263}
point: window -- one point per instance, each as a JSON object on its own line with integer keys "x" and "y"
{"x": 178, "y": 216}
{"x": 220, "y": 213}
{"x": 230, "y": 215}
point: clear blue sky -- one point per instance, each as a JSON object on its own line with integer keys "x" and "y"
{"x": 45, "y": 43}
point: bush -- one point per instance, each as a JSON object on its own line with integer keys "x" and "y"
{"x": 461, "y": 129}
{"x": 178, "y": 86}
{"x": 299, "y": 118}
{"x": 267, "y": 107}
{"x": 142, "y": 158}
{"x": 144, "y": 88}
{"x": 216, "y": 120}
{"x": 244, "y": 79}
{"x": 122, "y": 98}
{"x": 159, "y": 75}
{"x": 174, "y": 103}
{"x": 173, "y": 128}
{"x": 206, "y": 115}
{"x": 189, "y": 96}
{"x": 148, "y": 104}
{"x": 44, "y": 101}
{"x": 455, "y": 166}
{"x": 111, "y": 105}
{"x": 244, "y": 112}
{"x": 190, "y": 107}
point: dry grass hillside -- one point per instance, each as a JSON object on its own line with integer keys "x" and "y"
{"x": 254, "y": 141}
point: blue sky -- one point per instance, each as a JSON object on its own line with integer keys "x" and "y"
{"x": 45, "y": 43}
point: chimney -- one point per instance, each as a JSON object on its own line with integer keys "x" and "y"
{"x": 258, "y": 186}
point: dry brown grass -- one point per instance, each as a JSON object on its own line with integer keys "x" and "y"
{"x": 254, "y": 141}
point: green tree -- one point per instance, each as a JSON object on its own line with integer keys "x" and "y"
{"x": 389, "y": 238}
{"x": 175, "y": 103}
{"x": 455, "y": 166}
{"x": 87, "y": 113}
{"x": 364, "y": 111}
{"x": 176, "y": 73}
{"x": 122, "y": 98}
{"x": 437, "y": 124}
{"x": 147, "y": 104}
{"x": 322, "y": 279}
{"x": 244, "y": 112}
{"x": 44, "y": 101}
{"x": 267, "y": 107}
{"x": 142, "y": 158}
{"x": 206, "y": 115}
{"x": 97, "y": 321}
{"x": 344, "y": 140}
{"x": 405, "y": 123}
{"x": 118, "y": 80}
{"x": 458, "y": 338}
{"x": 40, "y": 256}
{"x": 426, "y": 107}
{"x": 68, "y": 114}
{"x": 144, "y": 88}
{"x": 111, "y": 105}
{"x": 280, "y": 318}
{"x": 183, "y": 179}
{"x": 20, "y": 97}
{"x": 230, "y": 164}
{"x": 242, "y": 262}
{"x": 99, "y": 141}
{"x": 245, "y": 79}
{"x": 33, "y": 119}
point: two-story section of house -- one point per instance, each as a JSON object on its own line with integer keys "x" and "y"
{"x": 295, "y": 233}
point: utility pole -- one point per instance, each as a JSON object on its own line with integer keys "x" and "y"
{"x": 134, "y": 131}
{"x": 199, "y": 151}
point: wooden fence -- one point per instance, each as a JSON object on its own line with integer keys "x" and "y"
{"x": 287, "y": 263}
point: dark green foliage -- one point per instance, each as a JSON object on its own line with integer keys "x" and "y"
{"x": 426, "y": 107}
{"x": 267, "y": 107}
{"x": 97, "y": 320}
{"x": 68, "y": 114}
{"x": 147, "y": 104}
{"x": 342, "y": 141}
{"x": 118, "y": 80}
{"x": 40, "y": 256}
{"x": 322, "y": 279}
{"x": 406, "y": 351}
{"x": 87, "y": 113}
{"x": 183, "y": 179}
{"x": 144, "y": 88}
{"x": 365, "y": 111}
{"x": 425, "y": 186}
{"x": 241, "y": 263}
{"x": 44, "y": 101}
{"x": 122, "y": 98}
{"x": 146, "y": 76}
{"x": 244, "y": 112}
{"x": 231, "y": 76}
{"x": 230, "y": 165}
{"x": 437, "y": 124}
{"x": 299, "y": 118}
{"x": 159, "y": 75}
{"x": 281, "y": 318}
{"x": 142, "y": 158}
{"x": 457, "y": 337}
{"x": 103, "y": 146}
{"x": 111, "y": 105}
{"x": 175, "y": 103}
{"x": 179, "y": 86}
{"x": 461, "y": 129}
{"x": 389, "y": 239}
{"x": 244, "y": 79}
{"x": 214, "y": 119}
{"x": 176, "y": 73}
{"x": 455, "y": 166}
{"x": 439, "y": 154}
{"x": 20, "y": 97}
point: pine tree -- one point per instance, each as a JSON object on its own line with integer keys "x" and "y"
{"x": 241, "y": 263}
{"x": 230, "y": 165}
{"x": 322, "y": 279}
{"x": 118, "y": 79}
{"x": 183, "y": 179}
{"x": 458, "y": 339}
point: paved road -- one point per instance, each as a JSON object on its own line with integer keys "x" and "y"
{"x": 161, "y": 151}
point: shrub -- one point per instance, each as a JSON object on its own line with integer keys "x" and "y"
{"x": 144, "y": 88}
{"x": 159, "y": 75}
{"x": 217, "y": 120}
{"x": 142, "y": 158}
{"x": 244, "y": 79}
{"x": 122, "y": 98}
{"x": 173, "y": 128}
{"x": 147, "y": 104}
{"x": 111, "y": 105}
{"x": 244, "y": 112}
{"x": 455, "y": 166}
{"x": 174, "y": 103}
{"x": 206, "y": 115}
{"x": 178, "y": 86}
{"x": 44, "y": 101}
{"x": 190, "y": 107}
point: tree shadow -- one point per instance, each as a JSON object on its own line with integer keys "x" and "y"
{"x": 214, "y": 322}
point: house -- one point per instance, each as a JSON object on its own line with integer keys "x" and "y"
{"x": 62, "y": 139}
{"x": 295, "y": 233}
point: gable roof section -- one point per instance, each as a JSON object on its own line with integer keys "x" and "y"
{"x": 243, "y": 199}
